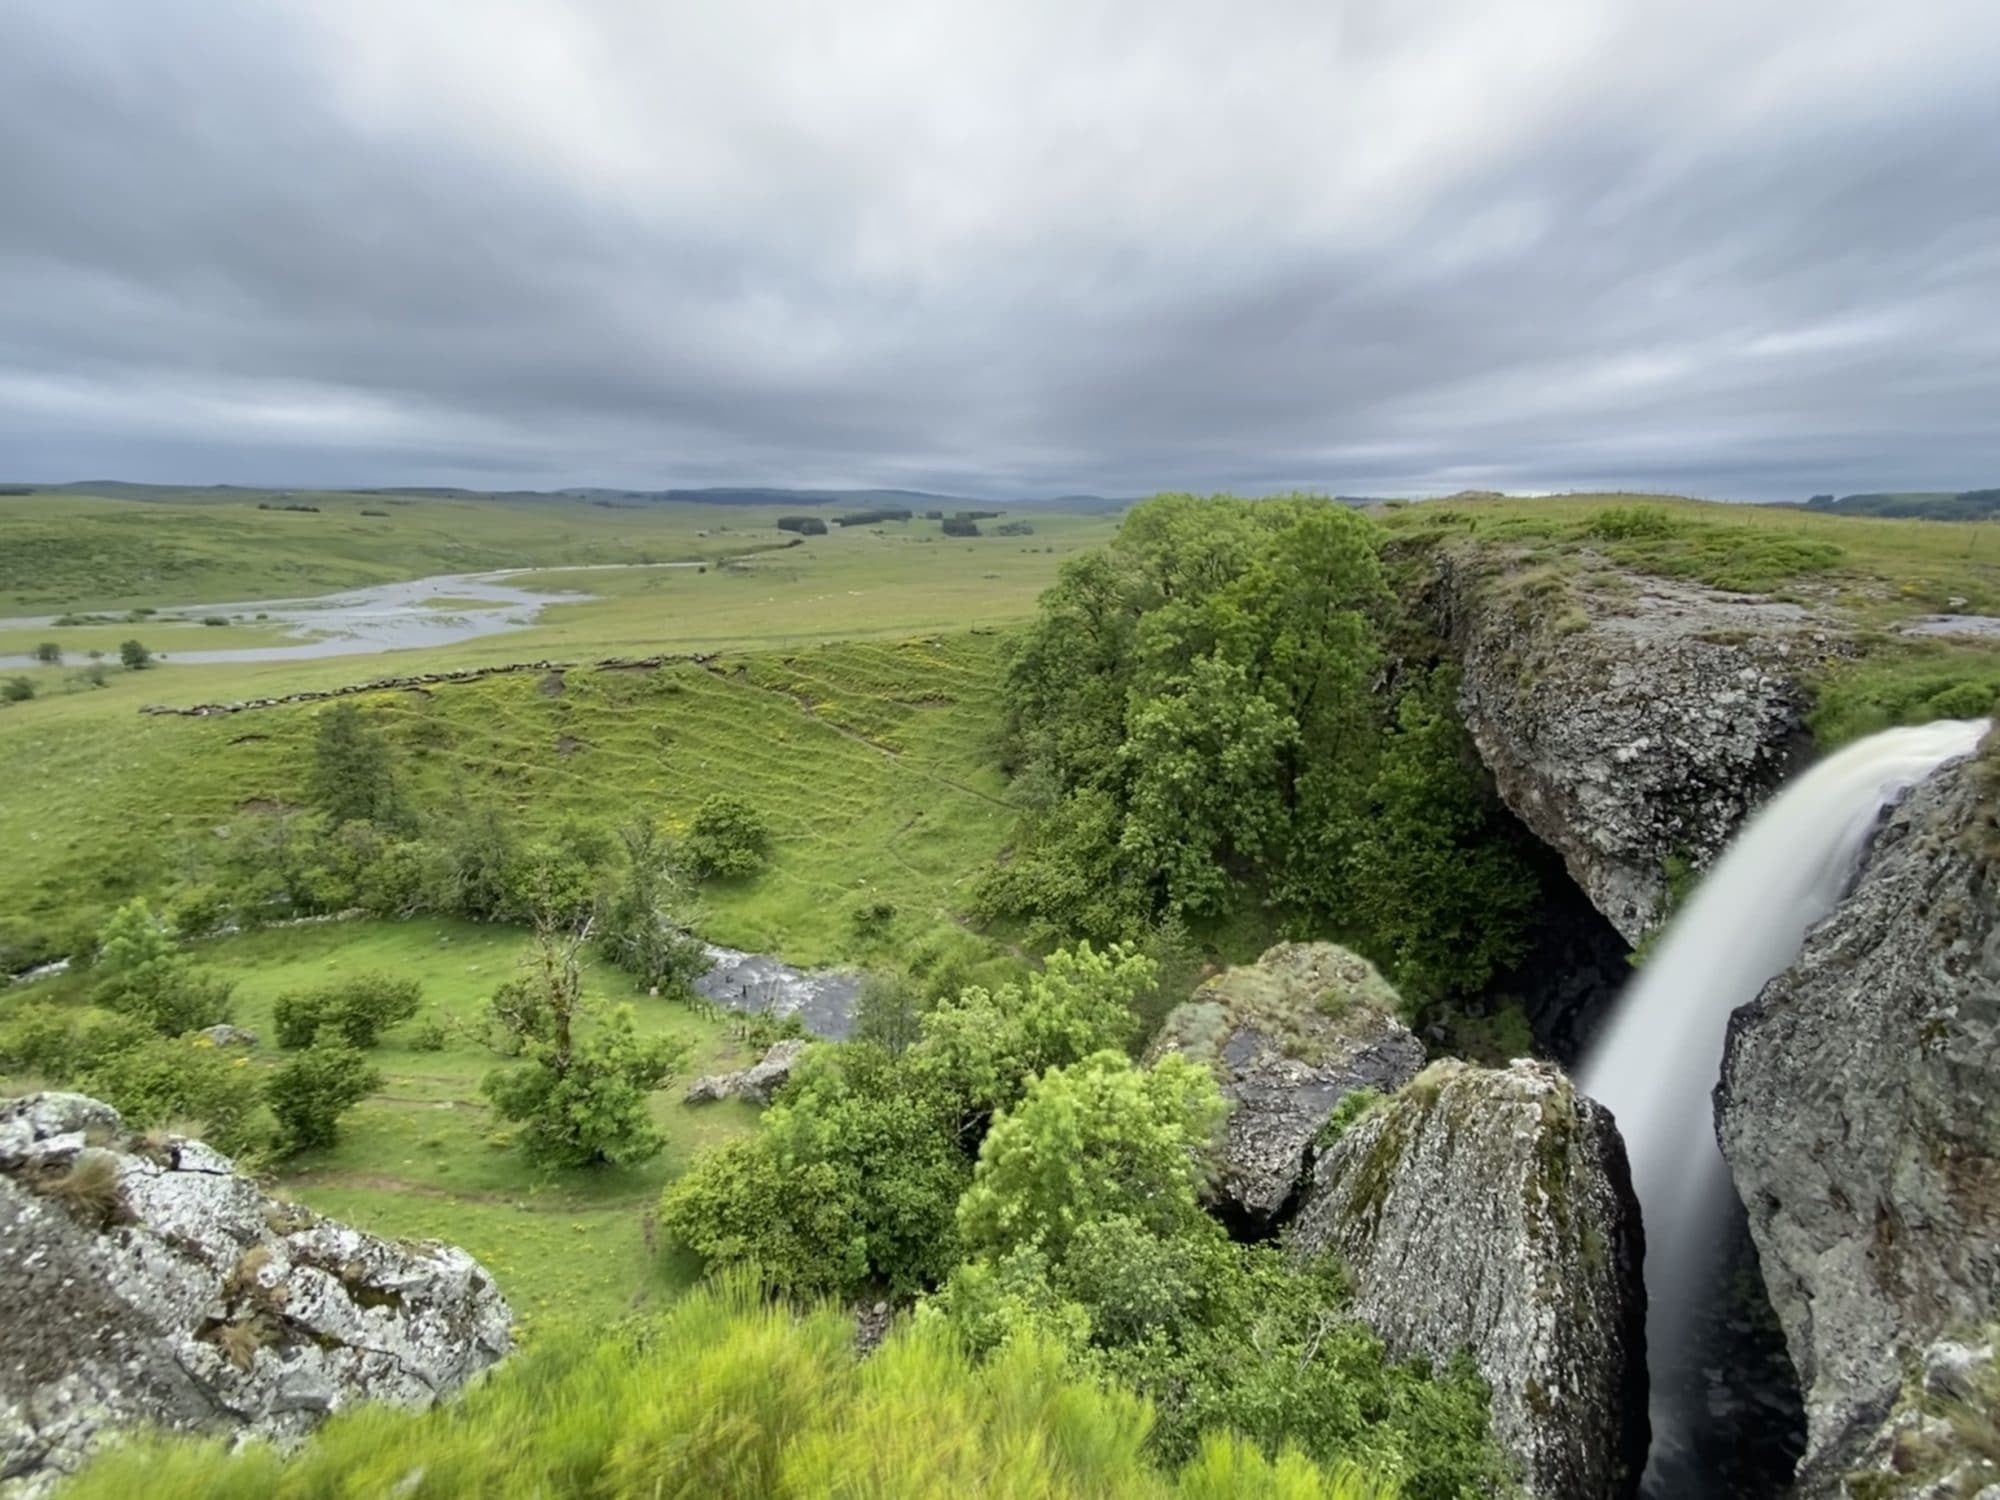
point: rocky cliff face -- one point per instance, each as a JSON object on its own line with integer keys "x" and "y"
{"x": 1492, "y": 1210}
{"x": 1628, "y": 721}
{"x": 146, "y": 1281}
{"x": 1857, "y": 1111}
{"x": 1288, "y": 1037}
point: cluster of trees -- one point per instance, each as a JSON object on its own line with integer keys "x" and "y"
{"x": 803, "y": 525}
{"x": 140, "y": 1045}
{"x": 21, "y": 689}
{"x": 1206, "y": 718}
{"x": 1011, "y": 1166}
{"x": 872, "y": 517}
{"x": 726, "y": 1394}
{"x": 362, "y": 845}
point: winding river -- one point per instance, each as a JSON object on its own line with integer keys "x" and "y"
{"x": 441, "y": 610}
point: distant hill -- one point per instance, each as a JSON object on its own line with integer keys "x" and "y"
{"x": 1931, "y": 505}
{"x": 917, "y": 500}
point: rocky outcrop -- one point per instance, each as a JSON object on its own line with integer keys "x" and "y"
{"x": 1942, "y": 1442}
{"x": 1630, "y": 722}
{"x": 146, "y": 1281}
{"x": 759, "y": 1083}
{"x": 1491, "y": 1210}
{"x": 1288, "y": 1037}
{"x": 1857, "y": 1113}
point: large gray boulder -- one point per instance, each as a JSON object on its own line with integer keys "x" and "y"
{"x": 1491, "y": 1210}
{"x": 1859, "y": 1110}
{"x": 1288, "y": 1038}
{"x": 1630, "y": 722}
{"x": 759, "y": 1083}
{"x": 148, "y": 1282}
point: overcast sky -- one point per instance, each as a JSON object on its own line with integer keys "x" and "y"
{"x": 1748, "y": 249}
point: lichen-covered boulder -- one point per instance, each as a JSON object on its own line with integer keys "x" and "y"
{"x": 1629, "y": 721}
{"x": 1858, "y": 1114}
{"x": 759, "y": 1083}
{"x": 1288, "y": 1038}
{"x": 1491, "y": 1210}
{"x": 145, "y": 1281}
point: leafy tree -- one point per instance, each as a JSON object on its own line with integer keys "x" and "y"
{"x": 1441, "y": 890}
{"x": 579, "y": 1093}
{"x": 888, "y": 1013}
{"x": 353, "y": 775}
{"x": 49, "y": 654}
{"x": 475, "y": 872}
{"x": 135, "y": 656}
{"x": 1095, "y": 1141}
{"x": 142, "y": 972}
{"x": 985, "y": 1045}
{"x": 636, "y": 929}
{"x": 1200, "y": 726}
{"x": 309, "y": 1094}
{"x": 728, "y": 838}
{"x": 851, "y": 1182}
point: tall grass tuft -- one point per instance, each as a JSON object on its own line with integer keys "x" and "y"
{"x": 730, "y": 1396}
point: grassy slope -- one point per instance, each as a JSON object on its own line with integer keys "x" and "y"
{"x": 418, "y": 1158}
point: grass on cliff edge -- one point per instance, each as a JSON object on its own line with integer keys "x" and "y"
{"x": 425, "y": 1158}
{"x": 1875, "y": 569}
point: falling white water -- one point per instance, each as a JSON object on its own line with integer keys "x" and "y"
{"x": 1657, "y": 1062}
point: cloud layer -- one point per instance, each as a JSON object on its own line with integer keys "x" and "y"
{"x": 1381, "y": 246}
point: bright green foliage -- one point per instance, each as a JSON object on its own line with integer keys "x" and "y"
{"x": 988, "y": 1044}
{"x": 143, "y": 973}
{"x": 1202, "y": 726}
{"x": 854, "y": 1178}
{"x": 852, "y": 1181}
{"x": 309, "y": 1093}
{"x": 727, "y": 1395}
{"x": 642, "y": 920}
{"x": 186, "y": 1080}
{"x": 358, "y": 1009}
{"x": 728, "y": 838}
{"x": 579, "y": 1093}
{"x": 135, "y": 655}
{"x": 1096, "y": 1141}
{"x": 353, "y": 776}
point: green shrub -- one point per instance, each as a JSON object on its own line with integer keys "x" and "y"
{"x": 17, "y": 690}
{"x": 57, "y": 1043}
{"x": 358, "y": 1008}
{"x": 1633, "y": 523}
{"x": 184, "y": 1079}
{"x": 135, "y": 656}
{"x": 142, "y": 972}
{"x": 728, "y": 838}
{"x": 429, "y": 1037}
{"x": 311, "y": 1091}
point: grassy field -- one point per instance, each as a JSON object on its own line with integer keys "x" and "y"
{"x": 75, "y": 552}
{"x": 425, "y": 1158}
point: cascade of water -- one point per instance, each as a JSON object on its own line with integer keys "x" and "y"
{"x": 1657, "y": 1061}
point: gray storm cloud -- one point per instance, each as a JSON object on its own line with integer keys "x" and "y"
{"x": 1387, "y": 246}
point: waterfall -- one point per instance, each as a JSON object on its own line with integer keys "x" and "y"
{"x": 1657, "y": 1061}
